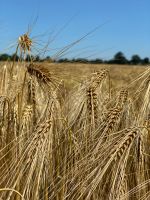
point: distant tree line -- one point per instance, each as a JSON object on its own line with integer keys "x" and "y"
{"x": 14, "y": 57}
{"x": 119, "y": 58}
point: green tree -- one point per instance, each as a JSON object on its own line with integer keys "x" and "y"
{"x": 145, "y": 61}
{"x": 119, "y": 58}
{"x": 136, "y": 60}
{"x": 5, "y": 57}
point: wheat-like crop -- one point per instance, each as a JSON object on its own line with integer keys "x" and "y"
{"x": 90, "y": 144}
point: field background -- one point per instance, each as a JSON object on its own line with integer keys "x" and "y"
{"x": 72, "y": 73}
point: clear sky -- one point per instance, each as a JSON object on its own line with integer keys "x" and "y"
{"x": 124, "y": 25}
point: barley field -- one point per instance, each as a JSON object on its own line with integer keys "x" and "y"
{"x": 74, "y": 131}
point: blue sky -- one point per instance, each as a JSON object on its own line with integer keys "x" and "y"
{"x": 124, "y": 25}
